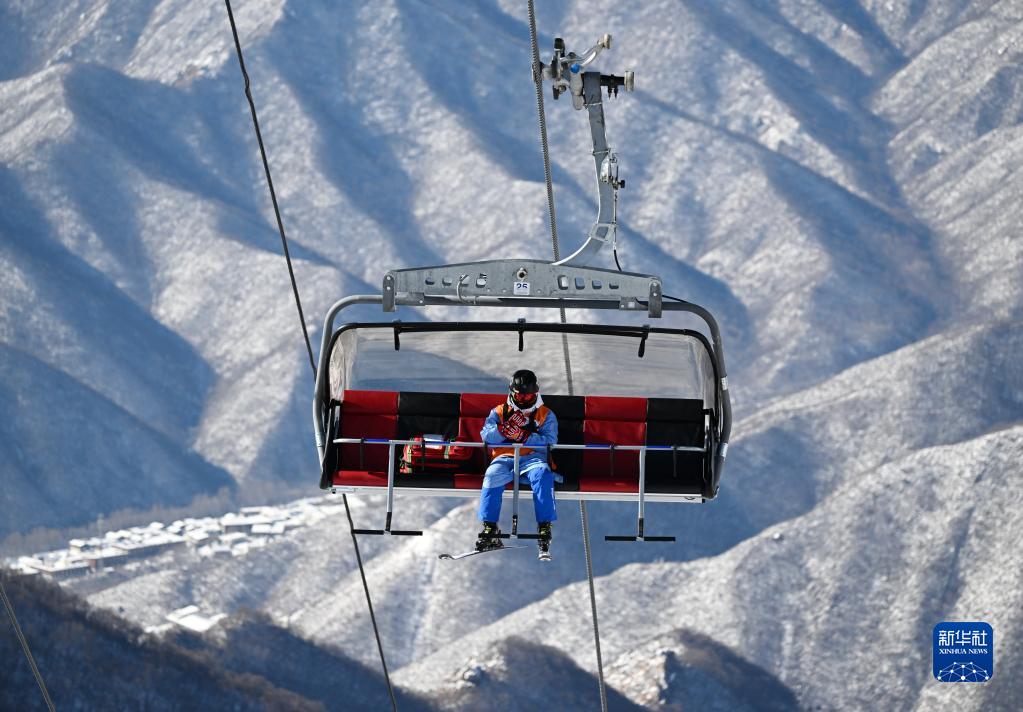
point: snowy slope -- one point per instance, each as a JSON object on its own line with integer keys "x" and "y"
{"x": 958, "y": 108}
{"x": 283, "y": 578}
{"x": 67, "y": 431}
{"x": 864, "y": 576}
{"x": 800, "y": 450}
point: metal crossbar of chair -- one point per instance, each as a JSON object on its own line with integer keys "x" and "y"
{"x": 641, "y": 495}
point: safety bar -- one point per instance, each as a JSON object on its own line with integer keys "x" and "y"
{"x": 640, "y": 535}
{"x": 517, "y": 446}
{"x": 390, "y": 504}
{"x": 391, "y": 443}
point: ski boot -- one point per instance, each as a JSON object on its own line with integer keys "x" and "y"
{"x": 544, "y": 542}
{"x": 488, "y": 537}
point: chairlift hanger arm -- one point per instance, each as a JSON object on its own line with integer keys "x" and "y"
{"x": 566, "y": 75}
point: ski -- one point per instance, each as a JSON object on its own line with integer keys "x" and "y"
{"x": 456, "y": 557}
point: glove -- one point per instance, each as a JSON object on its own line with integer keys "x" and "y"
{"x": 511, "y": 431}
{"x": 517, "y": 418}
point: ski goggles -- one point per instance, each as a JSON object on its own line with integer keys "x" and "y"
{"x": 524, "y": 397}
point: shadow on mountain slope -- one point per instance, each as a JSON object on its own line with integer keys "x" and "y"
{"x": 521, "y": 675}
{"x": 686, "y": 670}
{"x": 132, "y": 466}
{"x": 62, "y": 309}
{"x": 163, "y": 132}
{"x": 91, "y": 659}
{"x": 37, "y": 34}
{"x": 814, "y": 97}
{"x": 361, "y": 160}
{"x": 250, "y": 644}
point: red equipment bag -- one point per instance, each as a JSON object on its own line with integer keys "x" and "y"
{"x": 436, "y": 456}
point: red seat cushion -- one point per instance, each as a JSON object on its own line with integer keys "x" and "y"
{"x": 374, "y": 402}
{"x": 594, "y": 484}
{"x": 469, "y": 431}
{"x": 466, "y": 481}
{"x": 597, "y": 464}
{"x": 360, "y": 478}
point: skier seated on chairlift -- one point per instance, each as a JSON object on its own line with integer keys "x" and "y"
{"x": 522, "y": 418}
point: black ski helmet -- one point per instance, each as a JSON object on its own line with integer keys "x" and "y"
{"x": 523, "y": 381}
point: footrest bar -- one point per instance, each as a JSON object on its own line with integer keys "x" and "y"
{"x": 639, "y": 538}
{"x": 502, "y": 535}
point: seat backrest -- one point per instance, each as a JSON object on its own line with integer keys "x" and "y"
{"x": 428, "y": 413}
{"x": 613, "y": 420}
{"x": 367, "y": 414}
{"x": 474, "y": 409}
{"x": 675, "y": 421}
{"x": 581, "y": 420}
{"x": 570, "y": 412}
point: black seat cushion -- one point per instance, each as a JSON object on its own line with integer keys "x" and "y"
{"x": 569, "y": 411}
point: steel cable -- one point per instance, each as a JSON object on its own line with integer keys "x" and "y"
{"x": 24, "y": 646}
{"x": 305, "y": 333}
{"x": 593, "y": 602}
{"x": 270, "y": 184}
{"x": 538, "y": 81}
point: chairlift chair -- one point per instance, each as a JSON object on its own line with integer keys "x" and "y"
{"x": 385, "y": 422}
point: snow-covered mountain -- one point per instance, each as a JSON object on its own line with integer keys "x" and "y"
{"x": 93, "y": 659}
{"x": 836, "y": 181}
{"x": 925, "y": 538}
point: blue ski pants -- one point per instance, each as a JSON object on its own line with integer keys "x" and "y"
{"x": 499, "y": 474}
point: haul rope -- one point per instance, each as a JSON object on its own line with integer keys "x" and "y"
{"x": 305, "y": 333}
{"x": 538, "y": 81}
